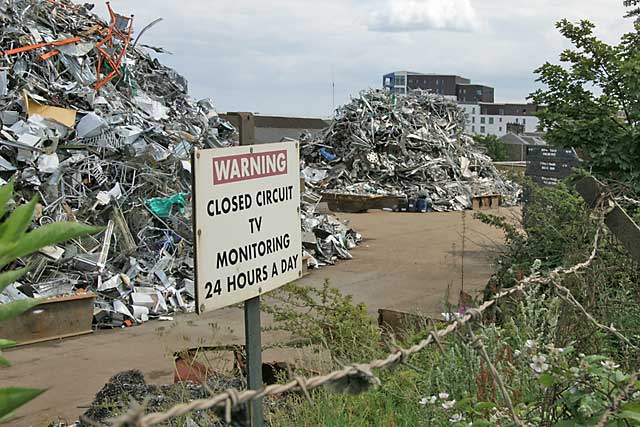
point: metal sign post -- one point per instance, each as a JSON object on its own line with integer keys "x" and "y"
{"x": 252, "y": 324}
{"x": 246, "y": 210}
{"x": 252, "y": 330}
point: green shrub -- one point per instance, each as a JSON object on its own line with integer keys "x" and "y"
{"x": 325, "y": 317}
{"x": 549, "y": 385}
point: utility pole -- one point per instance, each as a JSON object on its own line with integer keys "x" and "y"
{"x": 333, "y": 89}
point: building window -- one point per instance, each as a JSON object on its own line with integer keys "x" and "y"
{"x": 500, "y": 119}
{"x": 500, "y": 129}
{"x": 517, "y": 120}
{"x": 482, "y": 120}
{"x": 473, "y": 110}
{"x": 524, "y": 121}
{"x": 473, "y": 119}
{"x": 473, "y": 129}
{"x": 490, "y": 120}
{"x": 482, "y": 129}
{"x": 400, "y": 80}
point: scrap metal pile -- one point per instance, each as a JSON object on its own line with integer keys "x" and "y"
{"x": 412, "y": 146}
{"x": 324, "y": 237}
{"x": 101, "y": 133}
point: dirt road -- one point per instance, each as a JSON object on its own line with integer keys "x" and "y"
{"x": 407, "y": 262}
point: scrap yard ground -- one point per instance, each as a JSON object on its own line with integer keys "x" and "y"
{"x": 406, "y": 263}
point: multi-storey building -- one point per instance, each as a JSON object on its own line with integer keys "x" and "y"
{"x": 500, "y": 119}
{"x": 484, "y": 116}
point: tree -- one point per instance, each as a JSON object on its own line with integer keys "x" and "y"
{"x": 636, "y": 9}
{"x": 496, "y": 149}
{"x": 593, "y": 100}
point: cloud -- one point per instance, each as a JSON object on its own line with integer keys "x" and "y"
{"x": 281, "y": 56}
{"x": 422, "y": 15}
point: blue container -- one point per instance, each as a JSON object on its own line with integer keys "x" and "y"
{"x": 411, "y": 207}
{"x": 421, "y": 205}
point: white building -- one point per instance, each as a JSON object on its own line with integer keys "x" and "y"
{"x": 499, "y": 119}
{"x": 485, "y": 117}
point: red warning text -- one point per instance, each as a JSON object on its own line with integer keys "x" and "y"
{"x": 245, "y": 167}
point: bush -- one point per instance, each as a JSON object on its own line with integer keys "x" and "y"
{"x": 558, "y": 230}
{"x": 325, "y": 317}
{"x": 549, "y": 385}
{"x": 559, "y": 369}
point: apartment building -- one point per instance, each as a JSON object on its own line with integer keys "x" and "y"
{"x": 484, "y": 116}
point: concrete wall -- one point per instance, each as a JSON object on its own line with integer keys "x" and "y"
{"x": 275, "y": 128}
{"x": 516, "y": 152}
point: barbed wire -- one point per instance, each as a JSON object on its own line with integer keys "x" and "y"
{"x": 359, "y": 372}
{"x": 567, "y": 296}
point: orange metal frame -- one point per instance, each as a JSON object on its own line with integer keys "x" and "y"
{"x": 114, "y": 61}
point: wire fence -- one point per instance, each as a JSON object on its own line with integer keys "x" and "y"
{"x": 363, "y": 374}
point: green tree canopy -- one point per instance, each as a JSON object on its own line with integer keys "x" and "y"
{"x": 593, "y": 99}
{"x": 496, "y": 149}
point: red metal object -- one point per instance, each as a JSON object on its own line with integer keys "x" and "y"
{"x": 49, "y": 54}
{"x": 188, "y": 370}
{"x": 118, "y": 35}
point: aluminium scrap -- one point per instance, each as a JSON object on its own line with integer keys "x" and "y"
{"x": 101, "y": 133}
{"x": 410, "y": 145}
{"x": 325, "y": 238}
{"x": 116, "y": 156}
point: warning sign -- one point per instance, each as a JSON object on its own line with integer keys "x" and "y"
{"x": 246, "y": 222}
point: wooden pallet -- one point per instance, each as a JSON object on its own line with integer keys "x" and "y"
{"x": 488, "y": 201}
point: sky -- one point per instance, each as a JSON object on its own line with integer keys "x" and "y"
{"x": 280, "y": 57}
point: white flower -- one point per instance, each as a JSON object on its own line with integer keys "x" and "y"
{"x": 636, "y": 395}
{"x": 517, "y": 353}
{"x": 539, "y": 363}
{"x": 610, "y": 365}
{"x": 448, "y": 404}
{"x": 431, "y": 400}
{"x": 443, "y": 396}
{"x": 531, "y": 345}
{"x": 456, "y": 418}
